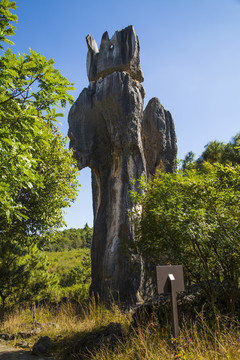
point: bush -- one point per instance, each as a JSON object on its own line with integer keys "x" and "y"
{"x": 192, "y": 218}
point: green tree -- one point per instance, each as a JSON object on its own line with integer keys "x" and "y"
{"x": 189, "y": 162}
{"x": 215, "y": 151}
{"x": 38, "y": 174}
{"x": 23, "y": 273}
{"x": 6, "y": 17}
{"x": 231, "y": 151}
{"x": 193, "y": 218}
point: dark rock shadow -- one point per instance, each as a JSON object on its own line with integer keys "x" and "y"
{"x": 85, "y": 344}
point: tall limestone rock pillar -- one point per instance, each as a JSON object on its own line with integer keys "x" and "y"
{"x": 111, "y": 134}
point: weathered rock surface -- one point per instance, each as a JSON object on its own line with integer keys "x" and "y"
{"x": 159, "y": 138}
{"x": 111, "y": 134}
{"x": 92, "y": 342}
{"x": 120, "y": 53}
{"x": 43, "y": 346}
{"x": 20, "y": 334}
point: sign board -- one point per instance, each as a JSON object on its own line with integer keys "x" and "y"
{"x": 170, "y": 280}
{"x": 163, "y": 281}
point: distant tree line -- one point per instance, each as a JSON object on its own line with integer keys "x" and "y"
{"x": 70, "y": 239}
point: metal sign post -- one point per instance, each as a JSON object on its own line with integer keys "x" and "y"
{"x": 170, "y": 280}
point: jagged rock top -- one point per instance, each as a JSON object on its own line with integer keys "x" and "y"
{"x": 120, "y": 53}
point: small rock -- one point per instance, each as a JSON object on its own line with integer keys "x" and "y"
{"x": 23, "y": 344}
{"x": 92, "y": 342}
{"x": 23, "y": 334}
{"x": 36, "y": 331}
{"x": 43, "y": 346}
{"x": 6, "y": 336}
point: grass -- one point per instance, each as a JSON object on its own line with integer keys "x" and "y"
{"x": 63, "y": 261}
{"x": 196, "y": 342}
{"x": 150, "y": 341}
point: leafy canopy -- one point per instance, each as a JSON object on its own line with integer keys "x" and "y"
{"x": 6, "y": 28}
{"x": 32, "y": 148}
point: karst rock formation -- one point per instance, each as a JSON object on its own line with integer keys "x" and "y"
{"x": 111, "y": 134}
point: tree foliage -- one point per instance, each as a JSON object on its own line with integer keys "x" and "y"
{"x": 38, "y": 174}
{"x": 193, "y": 218}
{"x": 215, "y": 151}
{"x": 6, "y": 17}
{"x": 33, "y": 159}
{"x": 23, "y": 273}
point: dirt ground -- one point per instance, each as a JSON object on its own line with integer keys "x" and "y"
{"x": 11, "y": 353}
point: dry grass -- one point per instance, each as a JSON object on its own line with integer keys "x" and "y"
{"x": 196, "y": 342}
{"x": 144, "y": 342}
{"x": 64, "y": 319}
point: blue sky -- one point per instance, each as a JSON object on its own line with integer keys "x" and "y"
{"x": 190, "y": 57}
